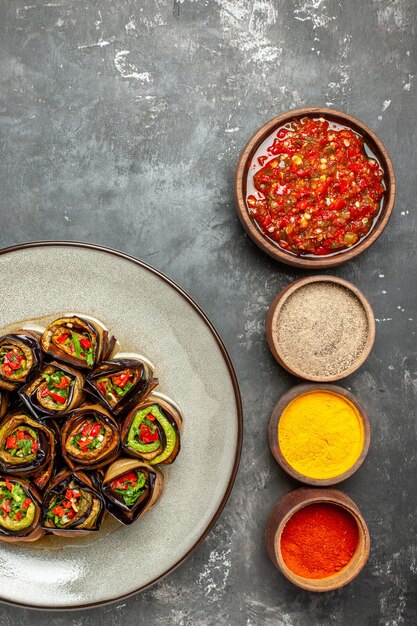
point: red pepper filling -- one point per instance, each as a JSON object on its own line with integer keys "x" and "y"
{"x": 13, "y": 362}
{"x": 123, "y": 482}
{"x": 56, "y": 386}
{"x": 13, "y": 501}
{"x": 91, "y": 436}
{"x": 115, "y": 387}
{"x": 321, "y": 192}
{"x": 21, "y": 443}
{"x": 78, "y": 344}
{"x": 63, "y": 508}
{"x": 148, "y": 431}
{"x": 130, "y": 486}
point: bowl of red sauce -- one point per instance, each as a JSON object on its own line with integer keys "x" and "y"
{"x": 314, "y": 187}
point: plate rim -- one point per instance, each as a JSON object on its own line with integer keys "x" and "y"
{"x": 238, "y": 399}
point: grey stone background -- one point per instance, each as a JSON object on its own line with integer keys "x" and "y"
{"x": 121, "y": 124}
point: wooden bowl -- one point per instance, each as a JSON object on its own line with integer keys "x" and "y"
{"x": 273, "y": 439}
{"x": 280, "y": 515}
{"x": 273, "y": 317}
{"x": 273, "y": 249}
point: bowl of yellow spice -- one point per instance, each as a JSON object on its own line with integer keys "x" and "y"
{"x": 319, "y": 433}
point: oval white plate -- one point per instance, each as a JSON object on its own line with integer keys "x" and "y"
{"x": 151, "y": 315}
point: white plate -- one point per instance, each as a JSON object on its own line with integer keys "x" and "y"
{"x": 148, "y": 314}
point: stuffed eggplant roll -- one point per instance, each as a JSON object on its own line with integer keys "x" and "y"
{"x": 72, "y": 506}
{"x": 131, "y": 488}
{"x": 27, "y": 448}
{"x": 56, "y": 390}
{"x": 120, "y": 383}
{"x": 151, "y": 431}
{"x": 20, "y": 510}
{"x": 4, "y": 402}
{"x": 20, "y": 357}
{"x": 79, "y": 341}
{"x": 90, "y": 437}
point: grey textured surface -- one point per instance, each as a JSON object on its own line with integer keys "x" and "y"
{"x": 121, "y": 124}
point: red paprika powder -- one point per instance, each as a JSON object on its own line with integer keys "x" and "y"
{"x": 319, "y": 540}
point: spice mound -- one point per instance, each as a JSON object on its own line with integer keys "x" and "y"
{"x": 321, "y": 191}
{"x": 321, "y": 434}
{"x": 321, "y": 331}
{"x": 319, "y": 540}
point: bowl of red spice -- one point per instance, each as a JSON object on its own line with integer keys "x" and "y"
{"x": 314, "y": 187}
{"x": 317, "y": 538}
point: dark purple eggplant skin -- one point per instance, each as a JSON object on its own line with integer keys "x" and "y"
{"x": 44, "y": 479}
{"x": 96, "y": 477}
{"x": 58, "y": 485}
{"x": 136, "y": 393}
{"x": 120, "y": 510}
{"x": 42, "y": 413}
{"x": 4, "y": 402}
{"x": 31, "y": 340}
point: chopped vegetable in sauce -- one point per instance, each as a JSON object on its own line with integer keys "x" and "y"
{"x": 320, "y": 193}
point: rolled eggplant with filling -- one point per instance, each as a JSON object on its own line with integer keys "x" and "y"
{"x": 90, "y": 438}
{"x": 20, "y": 357}
{"x": 72, "y": 506}
{"x": 4, "y": 402}
{"x": 27, "y": 448}
{"x": 120, "y": 383}
{"x": 20, "y": 510}
{"x": 131, "y": 488}
{"x": 151, "y": 431}
{"x": 56, "y": 390}
{"x": 78, "y": 341}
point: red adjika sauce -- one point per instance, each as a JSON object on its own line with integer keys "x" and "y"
{"x": 320, "y": 193}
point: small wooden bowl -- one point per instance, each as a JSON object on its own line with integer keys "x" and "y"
{"x": 283, "y": 402}
{"x": 280, "y": 515}
{"x": 273, "y": 316}
{"x": 271, "y": 248}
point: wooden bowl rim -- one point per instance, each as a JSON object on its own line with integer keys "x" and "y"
{"x": 304, "y": 497}
{"x": 273, "y": 439}
{"x": 240, "y": 185}
{"x": 283, "y": 296}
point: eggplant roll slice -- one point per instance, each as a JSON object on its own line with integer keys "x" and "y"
{"x": 4, "y": 402}
{"x": 72, "y": 506}
{"x": 27, "y": 448}
{"x": 90, "y": 438}
{"x": 131, "y": 488}
{"x": 120, "y": 383}
{"x": 20, "y": 357}
{"x": 54, "y": 392}
{"x": 20, "y": 510}
{"x": 77, "y": 341}
{"x": 151, "y": 431}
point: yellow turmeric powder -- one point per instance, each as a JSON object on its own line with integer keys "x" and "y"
{"x": 321, "y": 434}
